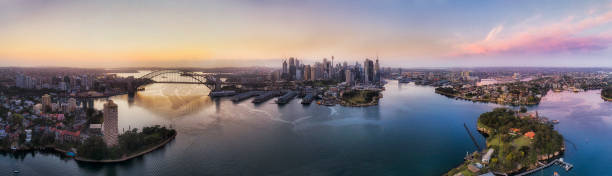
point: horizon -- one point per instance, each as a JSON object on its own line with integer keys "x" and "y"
{"x": 213, "y": 34}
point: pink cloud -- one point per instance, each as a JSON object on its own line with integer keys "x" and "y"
{"x": 565, "y": 36}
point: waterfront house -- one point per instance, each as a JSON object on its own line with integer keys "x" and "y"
{"x": 530, "y": 134}
{"x": 2, "y": 133}
{"x": 473, "y": 168}
{"x": 487, "y": 157}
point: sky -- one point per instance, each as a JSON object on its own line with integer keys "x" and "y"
{"x": 402, "y": 33}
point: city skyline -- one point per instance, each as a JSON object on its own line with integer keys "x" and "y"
{"x": 260, "y": 33}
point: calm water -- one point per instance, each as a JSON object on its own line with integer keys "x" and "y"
{"x": 412, "y": 132}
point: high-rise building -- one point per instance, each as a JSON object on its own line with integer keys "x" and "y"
{"x": 349, "y": 77}
{"x": 72, "y": 105}
{"x": 291, "y": 69}
{"x": 368, "y": 71}
{"x": 307, "y": 74}
{"x": 46, "y": 102}
{"x": 284, "y": 73}
{"x": 111, "y": 117}
{"x": 376, "y": 71}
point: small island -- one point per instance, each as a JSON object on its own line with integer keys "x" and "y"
{"x": 131, "y": 144}
{"x": 515, "y": 142}
{"x": 606, "y": 94}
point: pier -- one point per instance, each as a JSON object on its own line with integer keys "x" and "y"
{"x": 286, "y": 98}
{"x": 245, "y": 95}
{"x": 266, "y": 96}
{"x": 560, "y": 162}
{"x": 308, "y": 98}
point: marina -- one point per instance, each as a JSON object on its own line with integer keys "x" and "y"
{"x": 565, "y": 165}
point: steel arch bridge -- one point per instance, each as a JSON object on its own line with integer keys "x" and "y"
{"x": 212, "y": 81}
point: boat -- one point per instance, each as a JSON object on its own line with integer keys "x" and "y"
{"x": 16, "y": 171}
{"x": 555, "y": 121}
{"x": 405, "y": 80}
{"x": 556, "y": 174}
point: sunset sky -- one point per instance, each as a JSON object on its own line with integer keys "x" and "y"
{"x": 419, "y": 33}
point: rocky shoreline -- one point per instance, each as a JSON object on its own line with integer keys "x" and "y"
{"x": 125, "y": 158}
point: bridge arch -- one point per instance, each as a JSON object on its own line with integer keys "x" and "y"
{"x": 210, "y": 81}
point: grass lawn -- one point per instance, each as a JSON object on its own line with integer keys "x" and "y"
{"x": 359, "y": 97}
{"x": 518, "y": 142}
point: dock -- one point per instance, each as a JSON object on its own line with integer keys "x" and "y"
{"x": 286, "y": 98}
{"x": 567, "y": 166}
{"x": 245, "y": 95}
{"x": 266, "y": 96}
{"x": 222, "y": 93}
{"x": 308, "y": 98}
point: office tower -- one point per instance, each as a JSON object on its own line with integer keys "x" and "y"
{"x": 298, "y": 74}
{"x": 291, "y": 69}
{"x": 72, "y": 105}
{"x": 284, "y": 73}
{"x": 307, "y": 73}
{"x": 349, "y": 77}
{"x": 368, "y": 71}
{"x": 111, "y": 117}
{"x": 46, "y": 102}
{"x": 376, "y": 71}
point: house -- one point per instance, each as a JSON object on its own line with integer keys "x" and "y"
{"x": 514, "y": 131}
{"x": 28, "y": 135}
{"x": 487, "y": 157}
{"x": 488, "y": 174}
{"x": 473, "y": 168}
{"x": 530, "y": 134}
{"x": 2, "y": 133}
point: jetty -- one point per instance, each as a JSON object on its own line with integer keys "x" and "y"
{"x": 308, "y": 98}
{"x": 286, "y": 98}
{"x": 567, "y": 166}
{"x": 266, "y": 96}
{"x": 245, "y": 95}
{"x": 224, "y": 93}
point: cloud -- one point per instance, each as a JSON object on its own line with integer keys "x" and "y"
{"x": 493, "y": 33}
{"x": 567, "y": 36}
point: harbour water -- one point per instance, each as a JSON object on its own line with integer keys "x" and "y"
{"x": 412, "y": 131}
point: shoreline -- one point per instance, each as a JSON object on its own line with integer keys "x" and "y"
{"x": 125, "y": 158}
{"x": 606, "y": 99}
{"x": 482, "y": 100}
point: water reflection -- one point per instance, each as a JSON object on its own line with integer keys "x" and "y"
{"x": 411, "y": 125}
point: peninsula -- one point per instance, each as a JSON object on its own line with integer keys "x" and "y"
{"x": 606, "y": 93}
{"x": 515, "y": 142}
{"x": 131, "y": 144}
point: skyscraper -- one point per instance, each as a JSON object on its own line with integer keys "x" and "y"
{"x": 349, "y": 77}
{"x": 72, "y": 105}
{"x": 284, "y": 73}
{"x": 376, "y": 71}
{"x": 368, "y": 71}
{"x": 291, "y": 69}
{"x": 111, "y": 117}
{"x": 46, "y": 102}
{"x": 307, "y": 74}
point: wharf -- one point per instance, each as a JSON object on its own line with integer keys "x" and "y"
{"x": 286, "y": 98}
{"x": 266, "y": 96}
{"x": 308, "y": 98}
{"x": 245, "y": 95}
{"x": 565, "y": 165}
